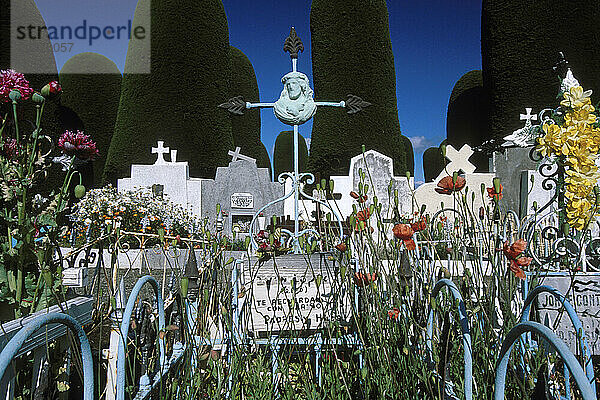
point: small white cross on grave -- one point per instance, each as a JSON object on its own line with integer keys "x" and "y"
{"x": 529, "y": 116}
{"x": 459, "y": 160}
{"x": 235, "y": 155}
{"x": 173, "y": 156}
{"x": 160, "y": 151}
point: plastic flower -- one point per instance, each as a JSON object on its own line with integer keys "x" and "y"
{"x": 576, "y": 97}
{"x": 446, "y": 185}
{"x": 11, "y": 79}
{"x": 78, "y": 145}
{"x": 405, "y": 233}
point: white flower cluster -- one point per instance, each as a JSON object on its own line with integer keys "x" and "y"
{"x": 137, "y": 210}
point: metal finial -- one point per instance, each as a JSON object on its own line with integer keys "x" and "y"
{"x": 355, "y": 104}
{"x": 293, "y": 44}
{"x": 561, "y": 65}
{"x": 235, "y": 105}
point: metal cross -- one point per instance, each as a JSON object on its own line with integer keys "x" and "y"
{"x": 160, "y": 151}
{"x": 529, "y": 116}
{"x": 235, "y": 155}
{"x": 292, "y": 96}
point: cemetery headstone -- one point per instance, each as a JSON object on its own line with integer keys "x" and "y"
{"x": 508, "y": 166}
{"x": 172, "y": 175}
{"x": 583, "y": 291}
{"x": 241, "y": 189}
{"x": 427, "y": 195}
{"x": 294, "y": 293}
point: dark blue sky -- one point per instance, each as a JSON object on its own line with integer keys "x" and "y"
{"x": 434, "y": 43}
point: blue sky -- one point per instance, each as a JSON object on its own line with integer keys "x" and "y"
{"x": 434, "y": 43}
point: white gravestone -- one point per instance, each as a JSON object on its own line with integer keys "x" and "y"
{"x": 458, "y": 162}
{"x": 379, "y": 175}
{"x": 172, "y": 175}
{"x": 293, "y": 294}
{"x": 584, "y": 295}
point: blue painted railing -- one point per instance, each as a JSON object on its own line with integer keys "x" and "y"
{"x": 579, "y": 331}
{"x": 13, "y": 346}
{"x": 558, "y": 345}
{"x": 145, "y": 383}
{"x": 466, "y": 332}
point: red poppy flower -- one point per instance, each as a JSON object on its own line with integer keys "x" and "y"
{"x": 394, "y": 313}
{"x": 419, "y": 225}
{"x": 52, "y": 90}
{"x": 78, "y": 145}
{"x": 447, "y": 186}
{"x": 363, "y": 215}
{"x": 492, "y": 192}
{"x": 341, "y": 247}
{"x": 10, "y": 149}
{"x": 405, "y": 233}
{"x": 516, "y": 270}
{"x": 514, "y": 250}
{"x": 363, "y": 279}
{"x": 354, "y": 195}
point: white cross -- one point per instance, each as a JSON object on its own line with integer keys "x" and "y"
{"x": 160, "y": 151}
{"x": 529, "y": 116}
{"x": 173, "y": 156}
{"x": 235, "y": 155}
{"x": 459, "y": 160}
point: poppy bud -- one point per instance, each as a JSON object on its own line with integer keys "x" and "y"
{"x": 443, "y": 150}
{"x": 37, "y": 98}
{"x": 79, "y": 191}
{"x": 52, "y": 90}
{"x": 497, "y": 188}
{"x": 14, "y": 95}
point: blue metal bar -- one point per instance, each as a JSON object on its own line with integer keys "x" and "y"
{"x": 13, "y": 346}
{"x": 579, "y": 331}
{"x": 561, "y": 348}
{"x": 125, "y": 331}
{"x": 466, "y": 332}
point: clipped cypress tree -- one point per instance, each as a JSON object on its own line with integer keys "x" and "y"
{"x": 84, "y": 94}
{"x": 345, "y": 62}
{"x": 283, "y": 154}
{"x": 520, "y": 41}
{"x": 246, "y": 127}
{"x": 467, "y": 116}
{"x": 177, "y": 102}
{"x": 433, "y": 162}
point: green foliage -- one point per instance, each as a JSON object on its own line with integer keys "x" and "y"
{"x": 467, "y": 116}
{"x": 246, "y": 128}
{"x": 177, "y": 102}
{"x": 84, "y": 94}
{"x": 520, "y": 41}
{"x": 283, "y": 155}
{"x": 345, "y": 62}
{"x": 433, "y": 163}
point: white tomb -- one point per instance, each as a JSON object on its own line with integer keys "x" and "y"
{"x": 172, "y": 175}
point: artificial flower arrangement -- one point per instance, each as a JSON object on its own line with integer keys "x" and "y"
{"x": 31, "y": 224}
{"x": 136, "y": 210}
{"x": 571, "y": 137}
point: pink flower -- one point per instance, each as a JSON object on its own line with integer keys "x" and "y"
{"x": 78, "y": 145}
{"x": 11, "y": 79}
{"x": 10, "y": 149}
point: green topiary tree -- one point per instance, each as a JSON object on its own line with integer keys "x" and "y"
{"x": 345, "y": 62}
{"x": 467, "y": 116}
{"x": 177, "y": 102}
{"x": 520, "y": 41}
{"x": 433, "y": 162}
{"x": 246, "y": 128}
{"x": 84, "y": 94}
{"x": 283, "y": 154}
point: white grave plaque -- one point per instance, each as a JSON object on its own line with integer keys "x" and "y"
{"x": 295, "y": 294}
{"x": 242, "y": 200}
{"x": 584, "y": 294}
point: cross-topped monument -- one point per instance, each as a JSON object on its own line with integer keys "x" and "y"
{"x": 160, "y": 151}
{"x": 236, "y": 155}
{"x": 294, "y": 107}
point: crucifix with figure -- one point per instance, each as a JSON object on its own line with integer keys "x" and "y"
{"x": 294, "y": 107}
